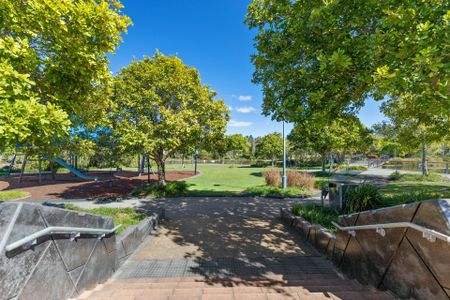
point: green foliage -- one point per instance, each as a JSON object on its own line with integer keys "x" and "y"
{"x": 35, "y": 126}
{"x": 237, "y": 144}
{"x": 340, "y": 134}
{"x": 270, "y": 147}
{"x": 12, "y": 195}
{"x": 327, "y": 57}
{"x": 364, "y": 197}
{"x": 274, "y": 192}
{"x": 317, "y": 215}
{"x": 124, "y": 216}
{"x": 53, "y": 67}
{"x": 354, "y": 168}
{"x": 161, "y": 107}
{"x": 176, "y": 188}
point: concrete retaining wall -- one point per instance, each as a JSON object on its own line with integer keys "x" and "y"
{"x": 402, "y": 260}
{"x": 57, "y": 268}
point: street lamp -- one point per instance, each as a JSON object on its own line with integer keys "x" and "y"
{"x": 284, "y": 161}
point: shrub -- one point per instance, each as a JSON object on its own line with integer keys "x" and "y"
{"x": 317, "y": 215}
{"x": 300, "y": 179}
{"x": 272, "y": 177}
{"x": 176, "y": 188}
{"x": 353, "y": 168}
{"x": 365, "y": 197}
{"x": 395, "y": 176}
{"x": 358, "y": 168}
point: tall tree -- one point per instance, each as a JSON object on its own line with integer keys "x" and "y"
{"x": 386, "y": 139}
{"x": 417, "y": 130}
{"x": 329, "y": 56}
{"x": 161, "y": 106}
{"x": 270, "y": 147}
{"x": 54, "y": 66}
{"x": 330, "y": 136}
{"x": 237, "y": 144}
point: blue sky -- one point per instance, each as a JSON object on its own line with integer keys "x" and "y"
{"x": 212, "y": 37}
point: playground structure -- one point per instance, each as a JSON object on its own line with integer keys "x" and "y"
{"x": 71, "y": 167}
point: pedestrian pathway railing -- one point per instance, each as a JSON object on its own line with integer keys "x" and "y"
{"x": 71, "y": 233}
{"x": 427, "y": 233}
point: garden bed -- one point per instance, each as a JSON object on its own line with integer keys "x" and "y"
{"x": 67, "y": 186}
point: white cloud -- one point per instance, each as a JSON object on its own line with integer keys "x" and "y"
{"x": 234, "y": 123}
{"x": 245, "y": 109}
{"x": 244, "y": 98}
{"x": 230, "y": 108}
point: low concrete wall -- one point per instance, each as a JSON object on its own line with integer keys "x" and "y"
{"x": 402, "y": 261}
{"x": 57, "y": 268}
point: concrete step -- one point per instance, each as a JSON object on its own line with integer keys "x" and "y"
{"x": 229, "y": 294}
{"x": 341, "y": 289}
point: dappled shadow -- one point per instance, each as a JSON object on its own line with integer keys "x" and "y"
{"x": 232, "y": 242}
{"x": 257, "y": 174}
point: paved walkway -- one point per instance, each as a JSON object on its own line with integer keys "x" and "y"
{"x": 227, "y": 248}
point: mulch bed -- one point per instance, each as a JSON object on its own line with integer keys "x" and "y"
{"x": 67, "y": 186}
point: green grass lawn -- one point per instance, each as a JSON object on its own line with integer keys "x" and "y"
{"x": 12, "y": 195}
{"x": 124, "y": 216}
{"x": 401, "y": 192}
{"x": 239, "y": 180}
{"x": 223, "y": 178}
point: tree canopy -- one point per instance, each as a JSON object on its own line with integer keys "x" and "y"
{"x": 270, "y": 147}
{"x": 53, "y": 66}
{"x": 161, "y": 106}
{"x": 338, "y": 135}
{"x": 237, "y": 144}
{"x": 329, "y": 56}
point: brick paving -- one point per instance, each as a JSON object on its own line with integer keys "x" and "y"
{"x": 227, "y": 248}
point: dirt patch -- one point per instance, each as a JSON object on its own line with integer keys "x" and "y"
{"x": 67, "y": 186}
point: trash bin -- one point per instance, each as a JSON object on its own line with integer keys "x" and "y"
{"x": 336, "y": 194}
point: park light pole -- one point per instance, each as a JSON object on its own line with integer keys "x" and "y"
{"x": 284, "y": 182}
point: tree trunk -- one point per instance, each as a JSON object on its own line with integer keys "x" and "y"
{"x": 161, "y": 164}
{"x": 139, "y": 163}
{"x": 324, "y": 161}
{"x": 40, "y": 170}
{"x": 273, "y": 162}
{"x": 143, "y": 164}
{"x": 424, "y": 160}
{"x": 53, "y": 169}
{"x": 22, "y": 170}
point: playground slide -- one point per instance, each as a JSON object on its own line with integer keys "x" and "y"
{"x": 73, "y": 170}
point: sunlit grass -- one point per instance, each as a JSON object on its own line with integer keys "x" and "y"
{"x": 12, "y": 195}
{"x": 124, "y": 216}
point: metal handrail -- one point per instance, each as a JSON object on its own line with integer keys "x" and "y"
{"x": 74, "y": 232}
{"x": 427, "y": 233}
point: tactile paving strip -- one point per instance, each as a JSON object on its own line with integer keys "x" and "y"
{"x": 224, "y": 267}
